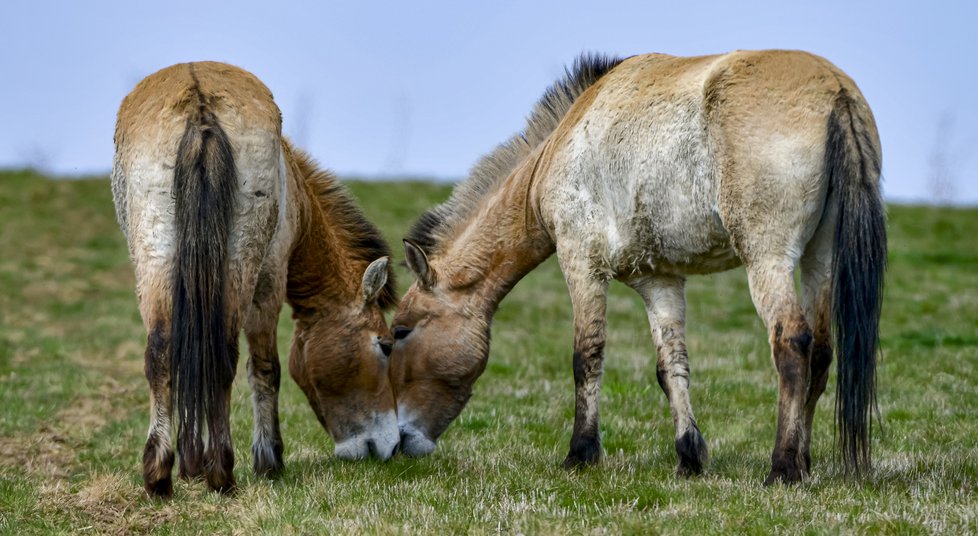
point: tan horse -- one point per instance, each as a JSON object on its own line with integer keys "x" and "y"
{"x": 645, "y": 171}
{"x": 225, "y": 221}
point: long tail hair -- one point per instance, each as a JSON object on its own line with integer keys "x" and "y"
{"x": 858, "y": 265}
{"x": 204, "y": 352}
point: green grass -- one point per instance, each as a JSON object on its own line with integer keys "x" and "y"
{"x": 74, "y": 405}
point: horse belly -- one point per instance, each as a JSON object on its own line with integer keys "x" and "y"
{"x": 670, "y": 234}
{"x": 675, "y": 253}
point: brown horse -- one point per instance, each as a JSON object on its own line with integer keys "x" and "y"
{"x": 225, "y": 220}
{"x": 647, "y": 170}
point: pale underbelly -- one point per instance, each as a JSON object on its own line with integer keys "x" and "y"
{"x": 708, "y": 262}
{"x": 700, "y": 248}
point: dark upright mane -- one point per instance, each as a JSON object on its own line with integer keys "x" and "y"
{"x": 432, "y": 227}
{"x": 361, "y": 237}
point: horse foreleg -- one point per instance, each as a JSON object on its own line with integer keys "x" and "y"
{"x": 588, "y": 298}
{"x": 264, "y": 376}
{"x": 158, "y": 452}
{"x": 665, "y": 304}
{"x": 773, "y": 292}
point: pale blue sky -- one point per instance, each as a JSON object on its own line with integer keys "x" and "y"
{"x": 425, "y": 88}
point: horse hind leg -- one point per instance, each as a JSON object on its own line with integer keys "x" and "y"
{"x": 158, "y": 453}
{"x": 264, "y": 376}
{"x": 773, "y": 291}
{"x": 665, "y": 304}
{"x": 816, "y": 286}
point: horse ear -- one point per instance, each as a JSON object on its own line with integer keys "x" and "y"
{"x": 374, "y": 279}
{"x": 417, "y": 261}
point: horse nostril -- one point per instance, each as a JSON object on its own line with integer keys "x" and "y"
{"x": 387, "y": 348}
{"x": 372, "y": 447}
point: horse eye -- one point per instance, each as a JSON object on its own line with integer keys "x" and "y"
{"x": 400, "y": 332}
{"x": 387, "y": 348}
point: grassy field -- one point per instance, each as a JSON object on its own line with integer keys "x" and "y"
{"x": 74, "y": 404}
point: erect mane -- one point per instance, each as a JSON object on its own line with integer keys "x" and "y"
{"x": 360, "y": 237}
{"x": 491, "y": 170}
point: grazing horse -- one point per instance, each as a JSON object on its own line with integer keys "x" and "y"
{"x": 225, "y": 220}
{"x": 647, "y": 170}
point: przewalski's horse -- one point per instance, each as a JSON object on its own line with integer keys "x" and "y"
{"x": 225, "y": 220}
{"x": 647, "y": 170}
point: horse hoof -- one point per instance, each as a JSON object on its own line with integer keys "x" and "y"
{"x": 267, "y": 459}
{"x": 583, "y": 454}
{"x": 157, "y": 470}
{"x": 270, "y": 470}
{"x": 785, "y": 475}
{"x": 787, "y": 467}
{"x": 692, "y": 451}
{"x": 572, "y": 463}
{"x": 160, "y": 489}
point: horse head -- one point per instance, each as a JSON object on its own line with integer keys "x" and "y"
{"x": 441, "y": 332}
{"x": 340, "y": 360}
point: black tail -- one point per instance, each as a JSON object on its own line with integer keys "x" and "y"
{"x": 204, "y": 352}
{"x": 858, "y": 264}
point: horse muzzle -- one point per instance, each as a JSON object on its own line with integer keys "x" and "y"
{"x": 380, "y": 440}
{"x": 415, "y": 443}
